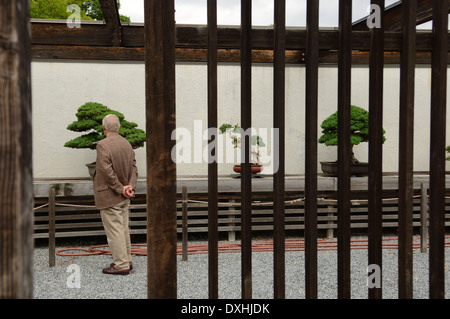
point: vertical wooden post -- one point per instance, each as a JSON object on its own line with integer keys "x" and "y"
{"x": 312, "y": 77}
{"x": 16, "y": 177}
{"x": 213, "y": 211}
{"x": 51, "y": 227}
{"x": 279, "y": 123}
{"x": 406, "y": 151}
{"x": 246, "y": 119}
{"x": 161, "y": 169}
{"x": 437, "y": 148}
{"x": 376, "y": 147}
{"x": 184, "y": 224}
{"x": 344, "y": 147}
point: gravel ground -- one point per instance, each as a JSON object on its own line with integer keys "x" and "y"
{"x": 51, "y": 283}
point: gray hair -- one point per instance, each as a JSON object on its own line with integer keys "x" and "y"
{"x": 111, "y": 123}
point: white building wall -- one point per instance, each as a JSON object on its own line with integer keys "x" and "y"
{"x": 60, "y": 87}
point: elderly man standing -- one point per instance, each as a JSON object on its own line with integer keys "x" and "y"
{"x": 114, "y": 183}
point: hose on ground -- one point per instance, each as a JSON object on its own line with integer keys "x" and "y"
{"x": 257, "y": 246}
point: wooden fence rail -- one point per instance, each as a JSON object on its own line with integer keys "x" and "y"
{"x": 75, "y": 217}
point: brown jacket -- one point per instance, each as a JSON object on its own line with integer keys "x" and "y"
{"x": 115, "y": 168}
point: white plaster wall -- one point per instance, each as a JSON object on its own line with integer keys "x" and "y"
{"x": 60, "y": 87}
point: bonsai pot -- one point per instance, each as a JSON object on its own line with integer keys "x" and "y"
{"x": 256, "y": 168}
{"x": 91, "y": 168}
{"x": 357, "y": 169}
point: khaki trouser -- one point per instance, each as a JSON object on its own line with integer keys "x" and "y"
{"x": 115, "y": 220}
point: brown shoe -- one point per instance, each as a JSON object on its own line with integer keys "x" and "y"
{"x": 131, "y": 265}
{"x": 111, "y": 270}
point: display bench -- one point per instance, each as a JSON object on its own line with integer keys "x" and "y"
{"x": 68, "y": 206}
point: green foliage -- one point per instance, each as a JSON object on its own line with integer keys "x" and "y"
{"x": 235, "y": 132}
{"x": 89, "y": 119}
{"x": 93, "y": 10}
{"x": 236, "y": 129}
{"x": 359, "y": 128}
{"x": 225, "y": 127}
{"x": 448, "y": 151}
{"x": 57, "y": 9}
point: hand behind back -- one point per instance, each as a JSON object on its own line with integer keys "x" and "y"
{"x": 128, "y": 191}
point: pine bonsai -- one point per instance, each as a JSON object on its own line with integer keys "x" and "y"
{"x": 89, "y": 119}
{"x": 359, "y": 129}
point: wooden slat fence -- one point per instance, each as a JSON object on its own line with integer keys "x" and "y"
{"x": 161, "y": 212}
{"x": 160, "y": 27}
{"x": 77, "y": 216}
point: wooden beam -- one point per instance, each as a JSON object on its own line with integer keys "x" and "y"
{"x": 138, "y": 54}
{"x": 196, "y": 37}
{"x": 200, "y": 55}
{"x": 393, "y": 16}
{"x": 84, "y": 52}
{"x": 111, "y": 16}
{"x": 89, "y": 34}
{"x": 393, "y": 19}
{"x": 54, "y": 40}
{"x": 16, "y": 178}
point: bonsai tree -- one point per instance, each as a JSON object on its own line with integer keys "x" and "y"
{"x": 359, "y": 129}
{"x": 234, "y": 132}
{"x": 89, "y": 120}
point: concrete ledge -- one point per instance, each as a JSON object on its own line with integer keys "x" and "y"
{"x": 227, "y": 184}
